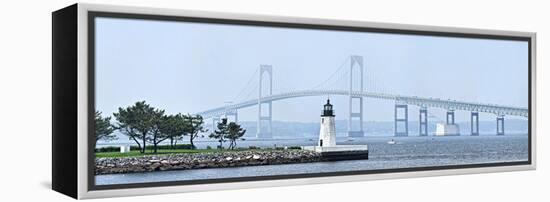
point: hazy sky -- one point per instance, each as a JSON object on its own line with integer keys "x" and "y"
{"x": 192, "y": 67}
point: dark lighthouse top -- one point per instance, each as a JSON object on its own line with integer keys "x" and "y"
{"x": 327, "y": 110}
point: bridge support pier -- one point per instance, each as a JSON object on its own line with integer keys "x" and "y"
{"x": 423, "y": 122}
{"x": 450, "y": 117}
{"x": 263, "y": 129}
{"x": 234, "y": 114}
{"x": 355, "y": 116}
{"x": 215, "y": 121}
{"x": 401, "y": 119}
{"x": 500, "y": 125}
{"x": 474, "y": 123}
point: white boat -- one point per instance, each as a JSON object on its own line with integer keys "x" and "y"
{"x": 391, "y": 141}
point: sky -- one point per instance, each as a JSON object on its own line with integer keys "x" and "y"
{"x": 191, "y": 67}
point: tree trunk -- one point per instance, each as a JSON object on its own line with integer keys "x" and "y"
{"x": 155, "y": 143}
{"x": 137, "y": 142}
{"x": 191, "y": 141}
{"x": 144, "y": 143}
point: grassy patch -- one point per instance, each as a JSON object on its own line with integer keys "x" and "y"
{"x": 159, "y": 152}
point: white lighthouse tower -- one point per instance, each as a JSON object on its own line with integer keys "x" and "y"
{"x": 327, "y": 141}
{"x": 327, "y": 134}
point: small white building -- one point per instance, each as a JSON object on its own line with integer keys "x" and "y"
{"x": 327, "y": 134}
{"x": 124, "y": 148}
{"x": 443, "y": 129}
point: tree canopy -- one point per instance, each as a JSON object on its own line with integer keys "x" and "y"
{"x": 138, "y": 122}
{"x": 228, "y": 131}
{"x": 174, "y": 127}
{"x": 220, "y": 133}
{"x": 145, "y": 124}
{"x": 234, "y": 133}
{"x": 103, "y": 128}
{"x": 194, "y": 125}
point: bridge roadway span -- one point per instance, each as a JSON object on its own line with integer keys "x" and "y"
{"x": 409, "y": 100}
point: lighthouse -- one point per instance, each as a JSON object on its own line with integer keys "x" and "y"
{"x": 327, "y": 133}
{"x": 327, "y": 147}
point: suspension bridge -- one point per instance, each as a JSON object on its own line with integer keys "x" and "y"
{"x": 355, "y": 91}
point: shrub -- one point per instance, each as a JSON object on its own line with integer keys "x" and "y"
{"x": 208, "y": 147}
{"x": 294, "y": 147}
{"x": 253, "y": 147}
{"x": 167, "y": 147}
{"x": 107, "y": 149}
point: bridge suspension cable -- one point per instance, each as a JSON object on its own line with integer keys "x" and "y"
{"x": 338, "y": 74}
{"x": 246, "y": 86}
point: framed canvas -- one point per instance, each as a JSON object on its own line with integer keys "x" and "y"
{"x": 149, "y": 101}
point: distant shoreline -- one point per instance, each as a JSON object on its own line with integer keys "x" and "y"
{"x": 374, "y": 137}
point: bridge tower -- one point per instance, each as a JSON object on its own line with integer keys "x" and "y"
{"x": 215, "y": 121}
{"x": 355, "y": 116}
{"x": 264, "y": 120}
{"x": 423, "y": 122}
{"x": 500, "y": 124}
{"x": 231, "y": 113}
{"x": 401, "y": 118}
{"x": 450, "y": 117}
{"x": 474, "y": 123}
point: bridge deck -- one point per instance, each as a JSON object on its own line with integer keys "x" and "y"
{"x": 410, "y": 100}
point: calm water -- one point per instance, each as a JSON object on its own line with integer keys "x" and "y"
{"x": 407, "y": 152}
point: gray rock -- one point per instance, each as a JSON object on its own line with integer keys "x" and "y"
{"x": 203, "y": 160}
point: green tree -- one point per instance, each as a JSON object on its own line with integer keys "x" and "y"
{"x": 220, "y": 133}
{"x": 103, "y": 128}
{"x": 234, "y": 132}
{"x": 137, "y": 122}
{"x": 156, "y": 136}
{"x": 194, "y": 126}
{"x": 173, "y": 127}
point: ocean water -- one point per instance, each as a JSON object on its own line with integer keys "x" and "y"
{"x": 408, "y": 152}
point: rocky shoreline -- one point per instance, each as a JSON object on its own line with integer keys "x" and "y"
{"x": 203, "y": 160}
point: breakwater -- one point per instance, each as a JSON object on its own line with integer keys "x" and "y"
{"x": 202, "y": 160}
